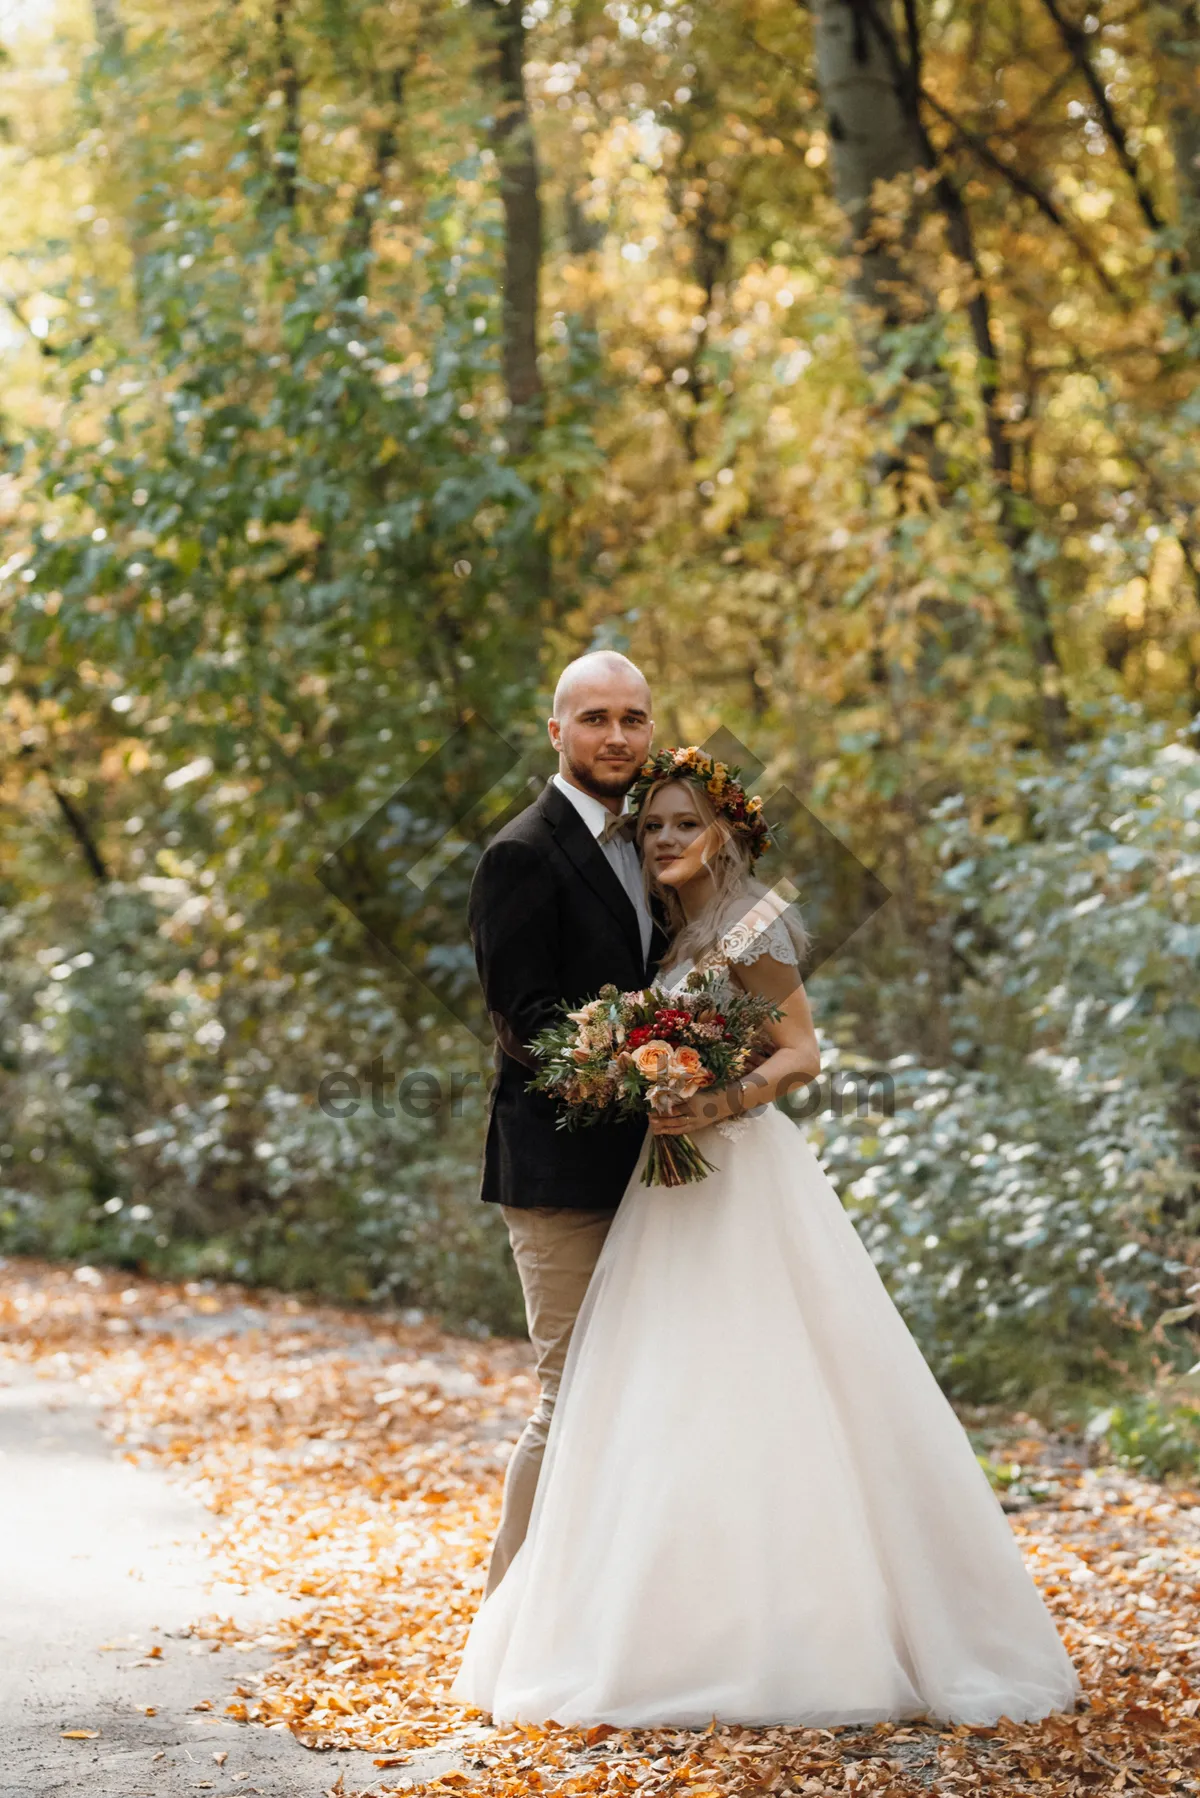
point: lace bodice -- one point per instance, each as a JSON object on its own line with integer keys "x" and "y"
{"x": 750, "y": 938}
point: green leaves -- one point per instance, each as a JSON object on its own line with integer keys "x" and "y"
{"x": 1031, "y": 1200}
{"x": 274, "y": 517}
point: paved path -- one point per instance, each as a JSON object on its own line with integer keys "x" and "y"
{"x": 102, "y": 1570}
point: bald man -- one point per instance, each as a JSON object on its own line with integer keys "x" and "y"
{"x": 555, "y": 913}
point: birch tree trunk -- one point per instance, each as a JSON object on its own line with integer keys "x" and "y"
{"x": 876, "y": 135}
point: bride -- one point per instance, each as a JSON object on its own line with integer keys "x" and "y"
{"x": 756, "y": 1504}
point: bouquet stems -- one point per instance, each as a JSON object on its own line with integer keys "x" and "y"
{"x": 674, "y": 1161}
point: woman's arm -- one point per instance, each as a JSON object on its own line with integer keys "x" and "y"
{"x": 796, "y": 1056}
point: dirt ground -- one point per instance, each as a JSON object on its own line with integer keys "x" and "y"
{"x": 241, "y": 1540}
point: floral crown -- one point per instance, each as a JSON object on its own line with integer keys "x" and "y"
{"x": 726, "y": 794}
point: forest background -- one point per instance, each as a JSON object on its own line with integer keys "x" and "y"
{"x": 840, "y": 362}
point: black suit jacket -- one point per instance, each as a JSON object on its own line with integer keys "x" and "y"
{"x": 550, "y": 921}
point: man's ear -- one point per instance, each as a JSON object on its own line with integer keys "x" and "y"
{"x": 554, "y": 729}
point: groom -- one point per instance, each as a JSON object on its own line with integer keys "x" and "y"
{"x": 556, "y": 910}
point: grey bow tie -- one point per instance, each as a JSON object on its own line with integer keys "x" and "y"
{"x": 619, "y": 828}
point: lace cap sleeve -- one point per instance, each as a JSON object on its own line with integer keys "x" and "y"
{"x": 752, "y": 937}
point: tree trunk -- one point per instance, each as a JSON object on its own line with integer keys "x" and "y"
{"x": 356, "y": 245}
{"x": 708, "y": 231}
{"x": 875, "y": 132}
{"x": 110, "y": 28}
{"x": 871, "y": 90}
{"x": 1179, "y": 51}
{"x": 520, "y": 194}
{"x": 287, "y": 149}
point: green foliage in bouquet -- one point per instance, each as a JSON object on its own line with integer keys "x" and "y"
{"x": 629, "y": 1054}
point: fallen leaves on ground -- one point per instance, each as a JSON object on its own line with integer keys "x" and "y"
{"x": 355, "y": 1464}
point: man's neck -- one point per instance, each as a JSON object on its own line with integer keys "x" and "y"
{"x": 611, "y": 802}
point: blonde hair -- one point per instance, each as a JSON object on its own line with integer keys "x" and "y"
{"x": 735, "y": 891}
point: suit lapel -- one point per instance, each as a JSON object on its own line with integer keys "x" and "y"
{"x": 578, "y": 843}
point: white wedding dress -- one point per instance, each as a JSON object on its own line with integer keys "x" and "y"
{"x": 756, "y": 1503}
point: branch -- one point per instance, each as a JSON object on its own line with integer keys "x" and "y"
{"x": 76, "y": 822}
{"x": 904, "y": 75}
{"x": 1043, "y": 100}
{"x": 914, "y": 50}
{"x": 1025, "y": 185}
{"x": 356, "y": 244}
{"x": 14, "y": 306}
{"x": 1075, "y": 42}
{"x": 82, "y": 835}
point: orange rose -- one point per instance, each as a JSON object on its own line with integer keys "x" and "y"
{"x": 651, "y": 1057}
{"x": 687, "y": 1073}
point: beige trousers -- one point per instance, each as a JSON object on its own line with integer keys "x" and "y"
{"x": 555, "y": 1251}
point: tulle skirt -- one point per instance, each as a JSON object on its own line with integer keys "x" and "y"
{"x": 756, "y": 1504}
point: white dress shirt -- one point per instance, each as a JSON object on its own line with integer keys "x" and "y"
{"x": 619, "y": 852}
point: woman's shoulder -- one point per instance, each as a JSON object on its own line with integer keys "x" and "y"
{"x": 755, "y": 927}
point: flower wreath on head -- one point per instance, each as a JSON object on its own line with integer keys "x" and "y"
{"x": 721, "y": 783}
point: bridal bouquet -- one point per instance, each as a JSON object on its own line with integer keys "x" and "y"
{"x": 628, "y": 1054}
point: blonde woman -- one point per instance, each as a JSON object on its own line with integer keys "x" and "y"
{"x": 756, "y": 1503}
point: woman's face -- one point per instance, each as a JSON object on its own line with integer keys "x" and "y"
{"x": 676, "y": 842}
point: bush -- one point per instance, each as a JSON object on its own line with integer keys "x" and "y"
{"x": 1150, "y": 1435}
{"x": 1032, "y": 1201}
{"x": 160, "y": 1119}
